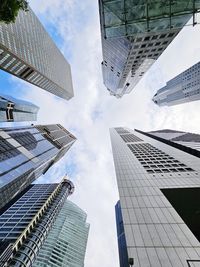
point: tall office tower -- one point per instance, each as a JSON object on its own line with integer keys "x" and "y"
{"x": 134, "y": 34}
{"x": 28, "y": 152}
{"x": 122, "y": 247}
{"x": 28, "y": 52}
{"x": 66, "y": 242}
{"x": 159, "y": 188}
{"x": 27, "y": 220}
{"x": 12, "y": 109}
{"x": 181, "y": 89}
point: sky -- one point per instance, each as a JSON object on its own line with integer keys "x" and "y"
{"x": 74, "y": 26}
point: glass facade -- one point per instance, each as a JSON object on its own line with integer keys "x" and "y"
{"x": 25, "y": 224}
{"x": 12, "y": 109}
{"x": 66, "y": 242}
{"x": 130, "y": 17}
{"x": 158, "y": 182}
{"x": 28, "y": 152}
{"x": 134, "y": 34}
{"x": 27, "y": 51}
{"x": 181, "y": 89}
{"x": 122, "y": 247}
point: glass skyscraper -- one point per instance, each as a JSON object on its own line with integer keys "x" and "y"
{"x": 26, "y": 221}
{"x": 28, "y": 152}
{"x": 66, "y": 242}
{"x": 12, "y": 109}
{"x": 181, "y": 89}
{"x": 28, "y": 52}
{"x": 134, "y": 34}
{"x": 122, "y": 247}
{"x": 158, "y": 176}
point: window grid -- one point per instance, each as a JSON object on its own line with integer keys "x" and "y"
{"x": 130, "y": 138}
{"x": 156, "y": 161}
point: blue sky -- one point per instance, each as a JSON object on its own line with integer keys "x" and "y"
{"x": 74, "y": 25}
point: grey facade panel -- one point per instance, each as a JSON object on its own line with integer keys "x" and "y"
{"x": 156, "y": 232}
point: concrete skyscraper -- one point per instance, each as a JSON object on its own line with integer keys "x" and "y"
{"x": 134, "y": 35}
{"x": 181, "y": 89}
{"x": 158, "y": 176}
{"x": 66, "y": 242}
{"x": 28, "y": 152}
{"x": 28, "y": 52}
{"x": 12, "y": 109}
{"x": 26, "y": 221}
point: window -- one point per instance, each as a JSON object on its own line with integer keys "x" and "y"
{"x": 130, "y": 138}
{"x": 147, "y": 38}
{"x": 155, "y": 160}
{"x": 171, "y": 34}
{"x": 162, "y": 35}
{"x": 121, "y": 130}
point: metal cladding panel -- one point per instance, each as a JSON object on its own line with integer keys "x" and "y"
{"x": 156, "y": 234}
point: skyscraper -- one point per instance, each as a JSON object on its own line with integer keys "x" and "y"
{"x": 158, "y": 176}
{"x": 122, "y": 247}
{"x": 66, "y": 242}
{"x": 134, "y": 34}
{"x": 12, "y": 109}
{"x": 28, "y": 52}
{"x": 181, "y": 89}
{"x": 28, "y": 152}
{"x": 26, "y": 221}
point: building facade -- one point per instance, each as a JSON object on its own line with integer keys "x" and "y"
{"x": 181, "y": 89}
{"x": 12, "y": 109}
{"x": 28, "y": 52}
{"x": 66, "y": 242}
{"x": 28, "y": 152}
{"x": 26, "y": 222}
{"x": 122, "y": 247}
{"x": 158, "y": 176}
{"x": 135, "y": 34}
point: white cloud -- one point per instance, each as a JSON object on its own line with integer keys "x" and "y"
{"x": 92, "y": 112}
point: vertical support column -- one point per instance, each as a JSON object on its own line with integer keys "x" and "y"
{"x": 125, "y": 20}
{"x": 193, "y": 13}
{"x": 170, "y": 14}
{"x": 147, "y": 14}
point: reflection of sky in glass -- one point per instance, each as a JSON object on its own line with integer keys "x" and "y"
{"x": 16, "y": 164}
